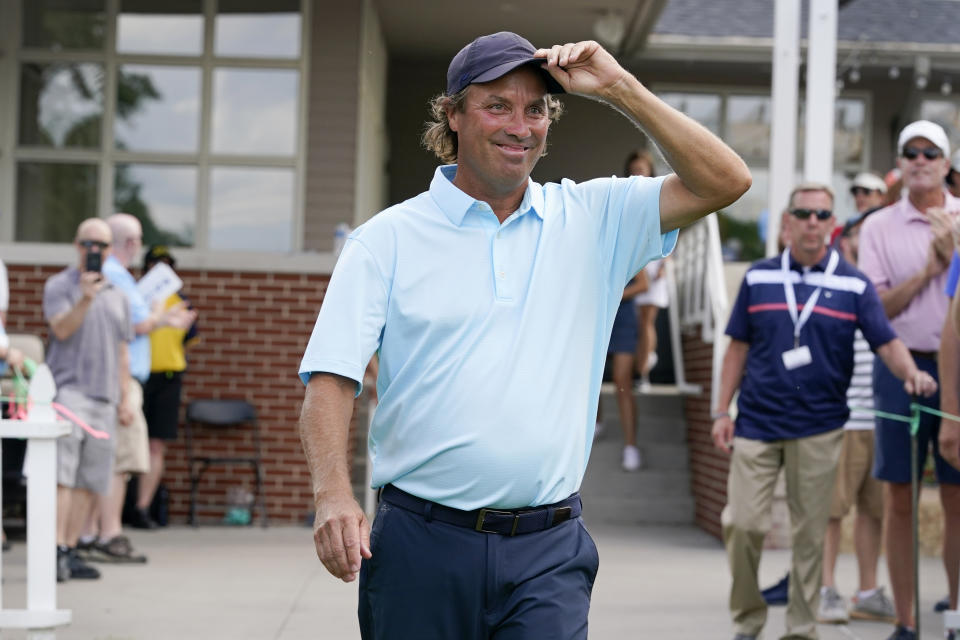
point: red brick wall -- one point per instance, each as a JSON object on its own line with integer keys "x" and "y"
{"x": 708, "y": 466}
{"x": 253, "y": 328}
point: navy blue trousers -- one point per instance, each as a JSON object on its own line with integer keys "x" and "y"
{"x": 429, "y": 580}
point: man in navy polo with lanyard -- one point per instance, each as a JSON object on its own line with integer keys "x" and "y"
{"x": 791, "y": 355}
{"x": 490, "y": 299}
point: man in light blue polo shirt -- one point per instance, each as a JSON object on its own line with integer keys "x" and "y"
{"x": 490, "y": 299}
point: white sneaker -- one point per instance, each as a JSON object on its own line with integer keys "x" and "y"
{"x": 642, "y": 386}
{"x": 652, "y": 360}
{"x": 833, "y": 608}
{"x": 631, "y": 458}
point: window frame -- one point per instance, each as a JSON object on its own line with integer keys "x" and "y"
{"x": 725, "y": 91}
{"x": 107, "y": 157}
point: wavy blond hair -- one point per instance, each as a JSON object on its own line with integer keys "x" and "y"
{"x": 439, "y": 138}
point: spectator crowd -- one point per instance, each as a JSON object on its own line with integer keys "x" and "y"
{"x": 117, "y": 358}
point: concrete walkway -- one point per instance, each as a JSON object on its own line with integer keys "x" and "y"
{"x": 239, "y": 583}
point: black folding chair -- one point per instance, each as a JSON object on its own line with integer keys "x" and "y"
{"x": 223, "y": 415}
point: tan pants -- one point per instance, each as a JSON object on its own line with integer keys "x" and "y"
{"x": 133, "y": 447}
{"x": 810, "y": 466}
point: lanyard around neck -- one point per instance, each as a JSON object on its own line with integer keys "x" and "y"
{"x": 801, "y": 319}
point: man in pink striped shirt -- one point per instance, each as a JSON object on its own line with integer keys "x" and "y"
{"x": 905, "y": 250}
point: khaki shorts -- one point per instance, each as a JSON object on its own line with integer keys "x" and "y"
{"x": 855, "y": 481}
{"x": 133, "y": 448}
{"x": 85, "y": 462}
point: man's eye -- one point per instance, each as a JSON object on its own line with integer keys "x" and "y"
{"x": 497, "y": 107}
{"x": 537, "y": 110}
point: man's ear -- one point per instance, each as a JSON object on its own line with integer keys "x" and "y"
{"x": 452, "y": 120}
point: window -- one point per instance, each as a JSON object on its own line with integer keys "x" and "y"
{"x": 743, "y": 120}
{"x": 184, "y": 113}
{"x": 945, "y": 112}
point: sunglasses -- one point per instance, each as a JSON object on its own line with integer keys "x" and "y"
{"x": 930, "y": 153}
{"x": 90, "y": 244}
{"x": 861, "y": 191}
{"x": 803, "y": 214}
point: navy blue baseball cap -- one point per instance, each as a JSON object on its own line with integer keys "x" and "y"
{"x": 490, "y": 57}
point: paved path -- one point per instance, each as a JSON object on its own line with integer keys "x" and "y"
{"x": 249, "y": 583}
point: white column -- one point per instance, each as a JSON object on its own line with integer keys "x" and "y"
{"x": 783, "y": 126}
{"x": 821, "y": 91}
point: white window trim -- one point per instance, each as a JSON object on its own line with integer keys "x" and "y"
{"x": 11, "y": 58}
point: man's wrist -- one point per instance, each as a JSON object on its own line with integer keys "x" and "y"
{"x": 716, "y": 415}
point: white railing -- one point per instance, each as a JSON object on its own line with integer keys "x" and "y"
{"x": 41, "y": 430}
{"x": 701, "y": 290}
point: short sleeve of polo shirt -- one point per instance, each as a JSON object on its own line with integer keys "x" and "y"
{"x": 630, "y": 229}
{"x": 872, "y": 319}
{"x": 56, "y": 298}
{"x": 738, "y": 327}
{"x": 352, "y": 316}
{"x": 953, "y": 275}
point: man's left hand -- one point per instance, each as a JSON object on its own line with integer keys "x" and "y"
{"x": 125, "y": 413}
{"x": 950, "y": 442}
{"x": 584, "y": 68}
{"x": 920, "y": 383}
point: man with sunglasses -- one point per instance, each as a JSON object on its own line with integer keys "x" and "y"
{"x": 868, "y": 191}
{"x": 90, "y": 326}
{"x": 791, "y": 353}
{"x": 905, "y": 250}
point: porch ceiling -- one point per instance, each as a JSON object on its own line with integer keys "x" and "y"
{"x": 426, "y": 28}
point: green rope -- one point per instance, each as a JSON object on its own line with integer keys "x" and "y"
{"x": 913, "y": 419}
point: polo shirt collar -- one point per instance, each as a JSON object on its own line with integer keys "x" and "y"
{"x": 820, "y": 266}
{"x": 914, "y": 215}
{"x": 455, "y": 203}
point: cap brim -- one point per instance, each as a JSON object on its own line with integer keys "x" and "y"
{"x": 503, "y": 69}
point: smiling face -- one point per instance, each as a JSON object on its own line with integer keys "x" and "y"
{"x": 922, "y": 174}
{"x": 808, "y": 238}
{"x": 501, "y": 133}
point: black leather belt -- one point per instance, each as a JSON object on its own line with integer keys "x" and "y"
{"x": 507, "y": 522}
{"x": 924, "y": 355}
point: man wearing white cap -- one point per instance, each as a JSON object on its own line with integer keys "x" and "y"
{"x": 868, "y": 191}
{"x": 904, "y": 250}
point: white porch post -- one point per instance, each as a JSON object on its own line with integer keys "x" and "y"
{"x": 783, "y": 126}
{"x": 821, "y": 91}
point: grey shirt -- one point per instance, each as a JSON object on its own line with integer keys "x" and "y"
{"x": 88, "y": 360}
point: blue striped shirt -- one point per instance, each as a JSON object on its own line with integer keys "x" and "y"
{"x": 776, "y": 403}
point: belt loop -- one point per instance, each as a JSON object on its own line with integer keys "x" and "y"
{"x": 549, "y": 521}
{"x": 428, "y": 511}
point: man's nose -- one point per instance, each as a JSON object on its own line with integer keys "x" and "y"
{"x": 518, "y": 125}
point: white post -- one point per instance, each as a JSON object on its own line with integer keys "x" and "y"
{"x": 821, "y": 91}
{"x": 783, "y": 125}
{"x": 41, "y": 428}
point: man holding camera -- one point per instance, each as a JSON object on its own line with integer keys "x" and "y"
{"x": 87, "y": 354}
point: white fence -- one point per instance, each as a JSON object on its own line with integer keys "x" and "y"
{"x": 41, "y": 430}
{"x": 701, "y": 290}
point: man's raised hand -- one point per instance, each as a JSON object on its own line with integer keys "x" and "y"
{"x": 584, "y": 68}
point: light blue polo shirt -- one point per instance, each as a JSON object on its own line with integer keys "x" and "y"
{"x": 139, "y": 348}
{"x": 492, "y": 337}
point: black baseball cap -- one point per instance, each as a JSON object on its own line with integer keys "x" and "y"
{"x": 490, "y": 57}
{"x": 158, "y": 252}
